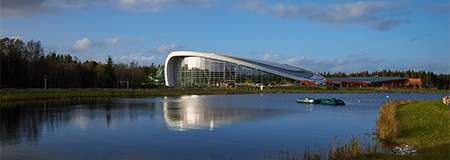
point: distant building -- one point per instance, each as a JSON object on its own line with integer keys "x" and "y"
{"x": 373, "y": 82}
{"x": 308, "y": 84}
{"x": 185, "y": 68}
{"x": 414, "y": 82}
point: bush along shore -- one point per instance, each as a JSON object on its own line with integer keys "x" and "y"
{"x": 408, "y": 126}
{"x": 11, "y": 95}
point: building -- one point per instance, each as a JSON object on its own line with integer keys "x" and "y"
{"x": 414, "y": 82}
{"x": 185, "y": 68}
{"x": 373, "y": 82}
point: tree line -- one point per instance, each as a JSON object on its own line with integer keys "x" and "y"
{"x": 25, "y": 65}
{"x": 429, "y": 79}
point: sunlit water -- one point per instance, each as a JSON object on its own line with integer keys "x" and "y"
{"x": 189, "y": 127}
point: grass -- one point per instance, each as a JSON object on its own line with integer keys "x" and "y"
{"x": 425, "y": 125}
{"x": 9, "y": 95}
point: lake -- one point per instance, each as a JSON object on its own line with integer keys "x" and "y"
{"x": 250, "y": 126}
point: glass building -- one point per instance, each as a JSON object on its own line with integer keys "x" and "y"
{"x": 186, "y": 69}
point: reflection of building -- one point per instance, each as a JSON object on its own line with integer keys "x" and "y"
{"x": 183, "y": 68}
{"x": 374, "y": 82}
{"x": 192, "y": 112}
{"x": 189, "y": 112}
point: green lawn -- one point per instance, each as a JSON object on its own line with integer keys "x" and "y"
{"x": 425, "y": 125}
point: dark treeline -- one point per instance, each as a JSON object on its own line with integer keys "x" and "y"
{"x": 429, "y": 79}
{"x": 25, "y": 65}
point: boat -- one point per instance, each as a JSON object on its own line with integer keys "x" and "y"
{"x": 328, "y": 101}
{"x": 306, "y": 100}
{"x": 331, "y": 101}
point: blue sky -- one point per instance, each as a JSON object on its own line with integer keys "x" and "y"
{"x": 344, "y": 35}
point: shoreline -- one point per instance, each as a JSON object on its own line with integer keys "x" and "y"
{"x": 15, "y": 95}
{"x": 423, "y": 124}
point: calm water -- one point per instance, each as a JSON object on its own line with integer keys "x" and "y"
{"x": 189, "y": 127}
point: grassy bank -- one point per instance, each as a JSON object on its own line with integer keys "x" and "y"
{"x": 52, "y": 94}
{"x": 425, "y": 125}
{"x": 9, "y": 95}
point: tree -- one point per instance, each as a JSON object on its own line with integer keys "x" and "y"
{"x": 109, "y": 77}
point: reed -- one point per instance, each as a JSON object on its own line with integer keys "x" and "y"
{"x": 388, "y": 127}
{"x": 353, "y": 150}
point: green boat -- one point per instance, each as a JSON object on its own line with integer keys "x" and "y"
{"x": 330, "y": 101}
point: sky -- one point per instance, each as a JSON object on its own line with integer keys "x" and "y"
{"x": 323, "y": 36}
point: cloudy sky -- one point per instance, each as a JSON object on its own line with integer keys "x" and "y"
{"x": 332, "y": 35}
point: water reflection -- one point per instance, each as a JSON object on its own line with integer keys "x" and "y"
{"x": 192, "y": 112}
{"x": 24, "y": 123}
{"x": 191, "y": 115}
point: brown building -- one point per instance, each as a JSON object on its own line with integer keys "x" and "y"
{"x": 373, "y": 82}
{"x": 307, "y": 83}
{"x": 414, "y": 82}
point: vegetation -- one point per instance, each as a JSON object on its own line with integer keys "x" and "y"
{"x": 422, "y": 124}
{"x": 354, "y": 150}
{"x": 25, "y": 65}
{"x": 429, "y": 79}
{"x": 388, "y": 127}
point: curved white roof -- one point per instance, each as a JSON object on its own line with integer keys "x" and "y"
{"x": 283, "y": 70}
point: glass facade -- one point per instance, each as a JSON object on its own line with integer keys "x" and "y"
{"x": 199, "y": 71}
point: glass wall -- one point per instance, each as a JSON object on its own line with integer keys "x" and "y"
{"x": 198, "y": 71}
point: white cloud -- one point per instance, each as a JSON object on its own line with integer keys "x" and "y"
{"x": 166, "y": 48}
{"x": 155, "y": 55}
{"x": 121, "y": 51}
{"x": 82, "y": 44}
{"x": 271, "y": 57}
{"x": 381, "y": 15}
{"x": 140, "y": 59}
{"x": 85, "y": 44}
